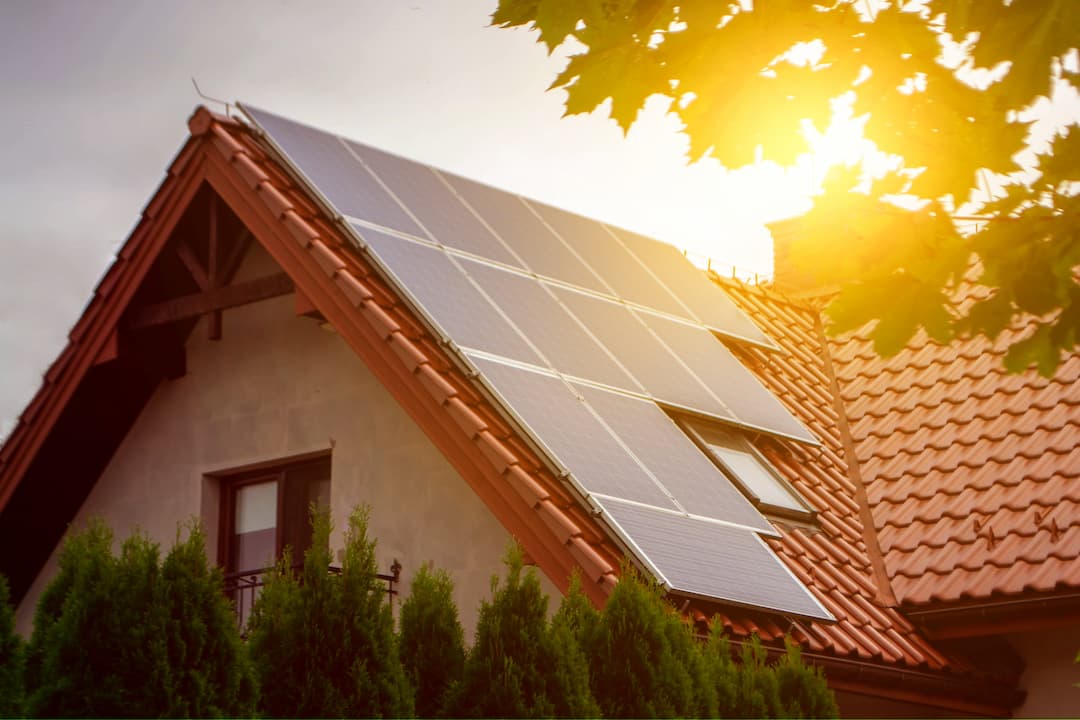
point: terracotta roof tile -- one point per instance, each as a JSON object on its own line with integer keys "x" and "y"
{"x": 971, "y": 472}
{"x": 833, "y": 561}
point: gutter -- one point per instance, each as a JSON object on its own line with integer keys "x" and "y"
{"x": 978, "y": 696}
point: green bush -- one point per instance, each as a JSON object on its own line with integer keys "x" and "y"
{"x": 757, "y": 692}
{"x": 432, "y": 640}
{"x": 803, "y": 690}
{"x": 11, "y": 658}
{"x": 210, "y": 674}
{"x": 518, "y": 666}
{"x": 753, "y": 688}
{"x": 723, "y": 673}
{"x": 640, "y": 655}
{"x": 127, "y": 637}
{"x": 324, "y": 644}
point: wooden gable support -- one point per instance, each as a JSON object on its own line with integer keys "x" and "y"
{"x": 220, "y": 267}
{"x": 211, "y": 301}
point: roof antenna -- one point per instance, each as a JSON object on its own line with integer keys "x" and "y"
{"x": 204, "y": 96}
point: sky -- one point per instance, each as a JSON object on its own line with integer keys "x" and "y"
{"x": 96, "y": 97}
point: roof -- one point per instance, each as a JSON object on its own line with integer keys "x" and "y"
{"x": 972, "y": 473}
{"x": 871, "y": 642}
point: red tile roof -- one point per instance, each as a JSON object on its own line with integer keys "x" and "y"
{"x": 836, "y": 562}
{"x": 839, "y": 562}
{"x": 972, "y": 473}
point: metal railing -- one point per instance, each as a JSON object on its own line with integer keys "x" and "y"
{"x": 243, "y": 587}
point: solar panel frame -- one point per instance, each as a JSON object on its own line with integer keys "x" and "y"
{"x": 706, "y": 302}
{"x": 609, "y": 258}
{"x": 326, "y": 164}
{"x": 689, "y": 476}
{"x": 560, "y": 422}
{"x": 743, "y": 394}
{"x": 525, "y": 233}
{"x": 711, "y": 560}
{"x": 446, "y": 296}
{"x": 440, "y": 211}
{"x": 645, "y": 357}
{"x": 548, "y": 325}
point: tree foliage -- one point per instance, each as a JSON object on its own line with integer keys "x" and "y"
{"x": 129, "y": 636}
{"x": 11, "y": 658}
{"x": 946, "y": 88}
{"x": 518, "y": 666}
{"x": 323, "y": 644}
{"x": 641, "y": 656}
{"x": 432, "y": 640}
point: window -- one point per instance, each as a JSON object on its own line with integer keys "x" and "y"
{"x": 750, "y": 472}
{"x": 266, "y": 510}
{"x": 263, "y": 511}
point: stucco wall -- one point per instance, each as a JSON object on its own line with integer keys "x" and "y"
{"x": 1050, "y": 672}
{"x": 276, "y": 386}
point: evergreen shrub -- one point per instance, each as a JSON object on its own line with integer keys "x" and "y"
{"x": 639, "y": 654}
{"x": 11, "y": 658}
{"x": 128, "y": 637}
{"x": 324, "y": 644}
{"x": 518, "y": 666}
{"x": 432, "y": 640}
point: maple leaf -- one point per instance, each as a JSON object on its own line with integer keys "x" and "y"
{"x": 726, "y": 67}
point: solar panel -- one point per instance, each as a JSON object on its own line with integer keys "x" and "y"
{"x": 443, "y": 291}
{"x": 345, "y": 182}
{"x": 736, "y": 387}
{"x": 606, "y": 255}
{"x": 522, "y": 230}
{"x": 673, "y": 458}
{"x": 647, "y": 359}
{"x": 524, "y": 334}
{"x": 707, "y": 302}
{"x": 708, "y": 559}
{"x": 440, "y": 211}
{"x": 575, "y": 438}
{"x": 548, "y": 325}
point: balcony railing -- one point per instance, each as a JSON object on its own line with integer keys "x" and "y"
{"x": 243, "y": 588}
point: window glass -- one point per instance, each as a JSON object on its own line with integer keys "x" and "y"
{"x": 750, "y": 470}
{"x": 254, "y": 541}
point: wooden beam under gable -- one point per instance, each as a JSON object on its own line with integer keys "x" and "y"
{"x": 213, "y": 300}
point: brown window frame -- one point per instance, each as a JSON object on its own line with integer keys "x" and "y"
{"x": 279, "y": 471}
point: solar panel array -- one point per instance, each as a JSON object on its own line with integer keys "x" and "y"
{"x": 584, "y": 331}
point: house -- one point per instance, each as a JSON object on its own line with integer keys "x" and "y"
{"x": 299, "y": 317}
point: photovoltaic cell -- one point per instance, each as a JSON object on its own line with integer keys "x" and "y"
{"x": 562, "y": 423}
{"x": 446, "y": 294}
{"x": 547, "y": 325}
{"x": 626, "y": 451}
{"x": 335, "y": 172}
{"x": 606, "y": 255}
{"x": 673, "y": 458}
{"x": 522, "y": 230}
{"x": 434, "y": 204}
{"x": 647, "y": 359}
{"x": 703, "y": 558}
{"x": 690, "y": 284}
{"x": 736, "y": 387}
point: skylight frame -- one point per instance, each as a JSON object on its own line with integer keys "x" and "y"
{"x": 714, "y": 438}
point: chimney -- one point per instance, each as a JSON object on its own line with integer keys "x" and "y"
{"x": 787, "y": 276}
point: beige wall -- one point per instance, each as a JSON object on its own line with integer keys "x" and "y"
{"x": 1050, "y": 672}
{"x": 276, "y": 386}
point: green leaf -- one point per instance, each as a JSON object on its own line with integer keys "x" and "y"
{"x": 514, "y": 13}
{"x": 1038, "y": 349}
{"x": 556, "y": 19}
{"x": 988, "y": 317}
